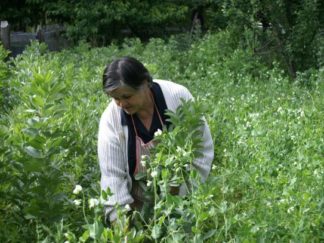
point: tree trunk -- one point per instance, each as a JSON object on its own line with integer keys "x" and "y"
{"x": 5, "y": 34}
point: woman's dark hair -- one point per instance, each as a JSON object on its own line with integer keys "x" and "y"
{"x": 125, "y": 71}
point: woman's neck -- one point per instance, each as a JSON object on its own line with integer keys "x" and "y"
{"x": 146, "y": 113}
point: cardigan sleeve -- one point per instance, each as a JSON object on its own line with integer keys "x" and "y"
{"x": 202, "y": 163}
{"x": 113, "y": 163}
{"x": 173, "y": 93}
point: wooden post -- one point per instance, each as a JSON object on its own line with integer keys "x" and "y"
{"x": 40, "y": 36}
{"x": 5, "y": 34}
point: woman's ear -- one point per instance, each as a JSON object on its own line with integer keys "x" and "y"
{"x": 149, "y": 81}
{"x": 146, "y": 83}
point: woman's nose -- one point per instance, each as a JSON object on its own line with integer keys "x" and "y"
{"x": 121, "y": 103}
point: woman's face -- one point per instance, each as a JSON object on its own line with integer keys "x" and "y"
{"x": 129, "y": 99}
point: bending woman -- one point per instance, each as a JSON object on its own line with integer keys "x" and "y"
{"x": 127, "y": 128}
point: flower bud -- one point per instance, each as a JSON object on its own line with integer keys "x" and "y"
{"x": 77, "y": 189}
{"x": 77, "y": 202}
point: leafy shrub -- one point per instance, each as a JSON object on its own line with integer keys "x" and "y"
{"x": 4, "y": 72}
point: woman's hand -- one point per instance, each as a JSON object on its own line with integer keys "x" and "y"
{"x": 136, "y": 205}
{"x": 174, "y": 190}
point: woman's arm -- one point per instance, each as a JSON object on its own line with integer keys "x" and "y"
{"x": 173, "y": 94}
{"x": 202, "y": 163}
{"x": 113, "y": 162}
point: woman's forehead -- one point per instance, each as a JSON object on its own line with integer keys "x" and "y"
{"x": 124, "y": 90}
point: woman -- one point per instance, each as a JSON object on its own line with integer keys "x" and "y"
{"x": 127, "y": 128}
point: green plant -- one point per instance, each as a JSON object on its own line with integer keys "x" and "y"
{"x": 266, "y": 181}
{"x": 4, "y": 73}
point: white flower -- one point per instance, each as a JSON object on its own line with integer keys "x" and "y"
{"x": 182, "y": 152}
{"x": 179, "y": 149}
{"x": 187, "y": 166}
{"x": 280, "y": 110}
{"x": 77, "y": 202}
{"x": 77, "y": 189}
{"x": 143, "y": 163}
{"x": 66, "y": 235}
{"x": 255, "y": 229}
{"x": 127, "y": 207}
{"x": 143, "y": 160}
{"x": 149, "y": 183}
{"x": 158, "y": 133}
{"x": 154, "y": 173}
{"x": 214, "y": 167}
{"x": 302, "y": 114}
{"x": 186, "y": 154}
{"x": 93, "y": 202}
{"x": 290, "y": 210}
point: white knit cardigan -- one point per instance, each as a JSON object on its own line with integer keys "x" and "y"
{"x": 113, "y": 147}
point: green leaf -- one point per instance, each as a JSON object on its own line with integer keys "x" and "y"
{"x": 29, "y": 216}
{"x": 37, "y": 101}
{"x": 95, "y": 230}
{"x": 33, "y": 165}
{"x": 156, "y": 231}
{"x": 85, "y": 236}
{"x": 38, "y": 142}
{"x": 30, "y": 131}
{"x": 140, "y": 176}
{"x": 33, "y": 152}
{"x": 3, "y": 130}
{"x": 106, "y": 194}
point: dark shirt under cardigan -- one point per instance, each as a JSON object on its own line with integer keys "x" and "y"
{"x": 143, "y": 133}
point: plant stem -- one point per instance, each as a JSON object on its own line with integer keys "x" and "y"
{"x": 155, "y": 202}
{"x": 83, "y": 209}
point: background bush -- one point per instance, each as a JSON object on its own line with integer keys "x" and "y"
{"x": 285, "y": 32}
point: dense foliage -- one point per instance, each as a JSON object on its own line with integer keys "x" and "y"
{"x": 102, "y": 22}
{"x": 267, "y": 178}
{"x": 287, "y": 32}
